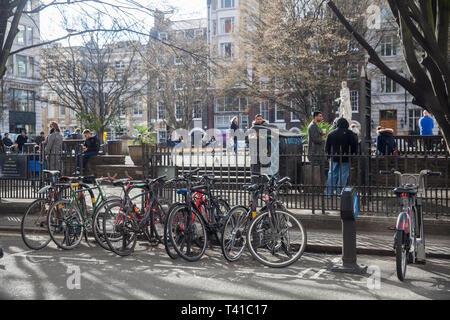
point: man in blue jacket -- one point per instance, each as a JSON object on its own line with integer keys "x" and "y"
{"x": 426, "y": 124}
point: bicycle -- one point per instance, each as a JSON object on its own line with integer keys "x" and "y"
{"x": 193, "y": 223}
{"x": 409, "y": 240}
{"x": 274, "y": 237}
{"x": 140, "y": 214}
{"x": 34, "y": 221}
{"x": 71, "y": 219}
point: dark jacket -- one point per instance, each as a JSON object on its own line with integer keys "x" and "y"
{"x": 385, "y": 141}
{"x": 92, "y": 144}
{"x": 21, "y": 140}
{"x": 315, "y": 143}
{"x": 234, "y": 126}
{"x": 341, "y": 141}
{"x": 8, "y": 142}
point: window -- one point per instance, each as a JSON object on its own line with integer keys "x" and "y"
{"x": 50, "y": 110}
{"x": 388, "y": 46}
{"x": 177, "y": 60}
{"x": 10, "y": 65}
{"x": 161, "y": 83}
{"x": 230, "y": 104}
{"x": 198, "y": 33}
{"x": 162, "y": 136}
{"x": 179, "y": 109}
{"x": 21, "y": 100}
{"x": 163, "y": 36}
{"x": 29, "y": 36}
{"x": 21, "y": 66}
{"x": 222, "y": 121}
{"x": 226, "y": 50}
{"x": 387, "y": 85}
{"x": 30, "y": 67}
{"x": 353, "y": 72}
{"x": 226, "y": 25}
{"x": 50, "y": 71}
{"x": 178, "y": 84}
{"x": 227, "y": 3}
{"x": 160, "y": 111}
{"x": 197, "y": 80}
{"x": 294, "y": 114}
{"x": 197, "y": 110}
{"x": 28, "y": 6}
{"x": 264, "y": 109}
{"x": 119, "y": 67}
{"x": 20, "y": 38}
{"x": 137, "y": 110}
{"x": 264, "y": 83}
{"x": 279, "y": 114}
{"x": 413, "y": 120}
{"x": 62, "y": 111}
{"x": 354, "y": 101}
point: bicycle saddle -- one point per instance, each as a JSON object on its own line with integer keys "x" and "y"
{"x": 198, "y": 188}
{"x": 120, "y": 182}
{"x": 252, "y": 187}
{"x": 409, "y": 190}
{"x": 52, "y": 172}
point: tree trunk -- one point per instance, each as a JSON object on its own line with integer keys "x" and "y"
{"x": 444, "y": 125}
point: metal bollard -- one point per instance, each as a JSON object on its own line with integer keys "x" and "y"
{"x": 349, "y": 210}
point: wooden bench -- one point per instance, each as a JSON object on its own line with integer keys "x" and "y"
{"x": 102, "y": 160}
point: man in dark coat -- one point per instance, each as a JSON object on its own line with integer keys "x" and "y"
{"x": 315, "y": 140}
{"x": 91, "y": 148}
{"x": 21, "y": 140}
{"x": 340, "y": 142}
{"x": 385, "y": 141}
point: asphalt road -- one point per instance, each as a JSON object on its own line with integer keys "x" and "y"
{"x": 92, "y": 273}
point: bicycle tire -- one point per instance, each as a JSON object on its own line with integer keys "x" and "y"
{"x": 168, "y": 245}
{"x": 120, "y": 231}
{"x": 32, "y": 226}
{"x": 97, "y": 222}
{"x": 65, "y": 225}
{"x": 234, "y": 231}
{"x": 184, "y": 238}
{"x": 263, "y": 242}
{"x": 400, "y": 254}
{"x": 155, "y": 232}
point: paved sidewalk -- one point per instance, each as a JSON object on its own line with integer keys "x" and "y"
{"x": 320, "y": 240}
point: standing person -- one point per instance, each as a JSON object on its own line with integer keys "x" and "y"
{"x": 2, "y": 146}
{"x": 21, "y": 140}
{"x": 234, "y": 126}
{"x": 315, "y": 141}
{"x": 38, "y": 140}
{"x": 340, "y": 142}
{"x": 385, "y": 141}
{"x": 255, "y": 154}
{"x": 53, "y": 147}
{"x": 91, "y": 147}
{"x": 77, "y": 134}
{"x": 426, "y": 124}
{"x": 355, "y": 129}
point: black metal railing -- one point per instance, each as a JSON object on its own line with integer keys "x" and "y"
{"x": 309, "y": 190}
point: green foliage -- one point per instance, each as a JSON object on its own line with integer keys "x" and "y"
{"x": 322, "y": 125}
{"x": 145, "y": 135}
{"x": 90, "y": 121}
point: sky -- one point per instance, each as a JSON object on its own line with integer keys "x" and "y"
{"x": 50, "y": 19}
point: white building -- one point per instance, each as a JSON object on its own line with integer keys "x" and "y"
{"x": 20, "y": 88}
{"x": 391, "y": 104}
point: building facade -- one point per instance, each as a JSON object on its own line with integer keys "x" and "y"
{"x": 20, "y": 87}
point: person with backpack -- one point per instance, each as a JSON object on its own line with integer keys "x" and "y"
{"x": 385, "y": 141}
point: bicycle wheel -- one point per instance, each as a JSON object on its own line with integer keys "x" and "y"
{"x": 234, "y": 233}
{"x": 276, "y": 240}
{"x": 34, "y": 225}
{"x": 97, "y": 221}
{"x": 120, "y": 229}
{"x": 187, "y": 232}
{"x": 171, "y": 252}
{"x": 65, "y": 224}
{"x": 155, "y": 230}
{"x": 400, "y": 254}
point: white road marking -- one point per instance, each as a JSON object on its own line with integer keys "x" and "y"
{"x": 317, "y": 275}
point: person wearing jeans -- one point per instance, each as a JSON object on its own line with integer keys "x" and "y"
{"x": 90, "y": 148}
{"x": 340, "y": 143}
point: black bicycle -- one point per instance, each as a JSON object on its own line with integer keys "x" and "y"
{"x": 197, "y": 221}
{"x": 143, "y": 214}
{"x": 274, "y": 236}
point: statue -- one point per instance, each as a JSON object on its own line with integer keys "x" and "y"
{"x": 345, "y": 109}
